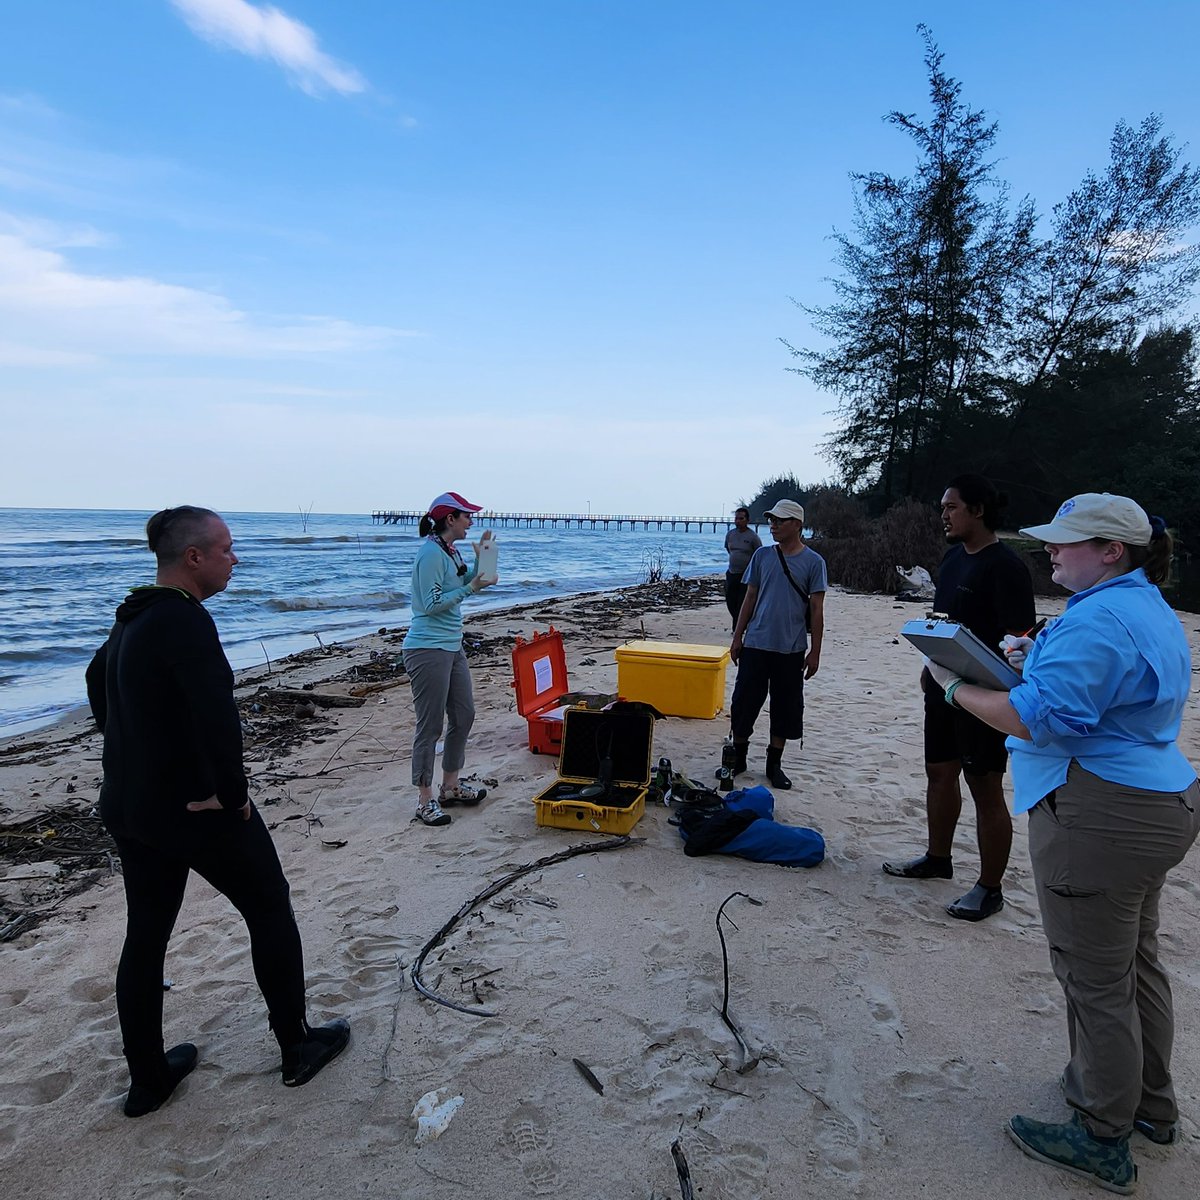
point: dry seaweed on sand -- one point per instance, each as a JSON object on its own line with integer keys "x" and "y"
{"x": 73, "y": 842}
{"x": 273, "y": 724}
{"x": 484, "y": 651}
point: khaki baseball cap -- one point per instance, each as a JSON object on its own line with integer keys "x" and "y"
{"x": 1095, "y": 515}
{"x": 786, "y": 510}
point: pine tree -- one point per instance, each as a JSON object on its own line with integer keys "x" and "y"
{"x": 922, "y": 302}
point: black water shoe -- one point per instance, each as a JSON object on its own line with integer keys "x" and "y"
{"x": 319, "y": 1048}
{"x": 145, "y": 1098}
{"x": 978, "y": 904}
{"x": 928, "y": 866}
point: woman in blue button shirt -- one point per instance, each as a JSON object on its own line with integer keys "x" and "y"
{"x": 1113, "y": 806}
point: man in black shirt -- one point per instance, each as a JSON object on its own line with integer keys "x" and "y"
{"x": 985, "y": 586}
{"x": 175, "y": 798}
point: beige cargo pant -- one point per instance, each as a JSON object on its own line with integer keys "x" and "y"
{"x": 1101, "y": 852}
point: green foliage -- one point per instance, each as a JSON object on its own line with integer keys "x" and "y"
{"x": 831, "y": 512}
{"x": 779, "y": 487}
{"x": 1117, "y": 420}
{"x": 921, "y": 300}
{"x": 1116, "y": 260}
{"x": 960, "y": 340}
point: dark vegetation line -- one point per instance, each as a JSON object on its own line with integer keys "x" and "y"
{"x": 971, "y": 330}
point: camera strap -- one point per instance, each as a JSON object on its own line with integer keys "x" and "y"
{"x": 799, "y": 590}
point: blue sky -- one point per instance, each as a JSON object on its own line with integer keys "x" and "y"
{"x": 350, "y": 254}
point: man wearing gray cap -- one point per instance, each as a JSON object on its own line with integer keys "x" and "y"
{"x": 777, "y": 638}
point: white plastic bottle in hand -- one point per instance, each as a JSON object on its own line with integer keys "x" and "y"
{"x": 489, "y": 555}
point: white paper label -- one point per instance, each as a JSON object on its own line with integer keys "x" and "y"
{"x": 543, "y": 674}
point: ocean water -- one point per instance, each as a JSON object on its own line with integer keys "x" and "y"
{"x": 327, "y": 577}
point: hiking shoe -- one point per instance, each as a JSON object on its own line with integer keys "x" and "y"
{"x": 1070, "y": 1146}
{"x": 431, "y": 814}
{"x": 1160, "y": 1133}
{"x": 977, "y": 905}
{"x": 928, "y": 866}
{"x": 322, "y": 1045}
{"x": 143, "y": 1099}
{"x": 458, "y": 794}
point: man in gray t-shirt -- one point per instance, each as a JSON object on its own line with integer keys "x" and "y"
{"x": 777, "y": 638}
{"x": 740, "y": 543}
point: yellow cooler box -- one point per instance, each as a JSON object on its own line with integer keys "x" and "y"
{"x": 678, "y": 678}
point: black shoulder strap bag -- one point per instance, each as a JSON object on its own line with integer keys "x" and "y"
{"x": 800, "y": 591}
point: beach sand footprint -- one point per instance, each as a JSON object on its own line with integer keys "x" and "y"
{"x": 954, "y": 1075}
{"x": 529, "y": 1135}
{"x": 32, "y": 1093}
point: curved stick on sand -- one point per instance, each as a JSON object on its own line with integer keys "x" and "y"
{"x": 749, "y": 1059}
{"x": 491, "y": 890}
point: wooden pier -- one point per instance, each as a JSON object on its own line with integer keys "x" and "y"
{"x": 508, "y": 520}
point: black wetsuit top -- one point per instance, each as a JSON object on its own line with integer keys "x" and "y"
{"x": 161, "y": 690}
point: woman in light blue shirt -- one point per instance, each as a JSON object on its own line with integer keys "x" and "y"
{"x": 1113, "y": 805}
{"x": 434, "y": 658}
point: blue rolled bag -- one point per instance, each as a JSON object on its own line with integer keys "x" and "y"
{"x": 744, "y": 824}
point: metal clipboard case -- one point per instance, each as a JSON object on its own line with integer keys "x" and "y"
{"x": 955, "y": 647}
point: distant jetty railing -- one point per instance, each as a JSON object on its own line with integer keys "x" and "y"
{"x": 508, "y": 520}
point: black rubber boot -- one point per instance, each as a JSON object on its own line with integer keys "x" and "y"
{"x": 775, "y": 774}
{"x": 739, "y": 758}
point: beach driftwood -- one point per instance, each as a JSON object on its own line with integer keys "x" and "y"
{"x": 320, "y": 699}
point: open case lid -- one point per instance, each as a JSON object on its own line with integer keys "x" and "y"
{"x": 624, "y": 733}
{"x": 539, "y": 671}
{"x": 689, "y": 652}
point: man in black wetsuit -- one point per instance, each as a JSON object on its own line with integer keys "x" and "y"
{"x": 175, "y": 799}
{"x": 985, "y": 586}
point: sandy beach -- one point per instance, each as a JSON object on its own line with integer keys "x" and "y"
{"x": 893, "y": 1040}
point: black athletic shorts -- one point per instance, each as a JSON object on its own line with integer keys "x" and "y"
{"x": 762, "y": 673}
{"x": 952, "y": 734}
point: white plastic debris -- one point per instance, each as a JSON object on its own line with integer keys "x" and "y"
{"x": 433, "y": 1113}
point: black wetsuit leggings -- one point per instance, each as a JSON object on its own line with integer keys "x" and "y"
{"x": 238, "y": 858}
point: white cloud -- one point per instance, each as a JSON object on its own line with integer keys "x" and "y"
{"x": 271, "y": 34}
{"x": 32, "y": 356}
{"x": 40, "y": 232}
{"x": 48, "y": 308}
